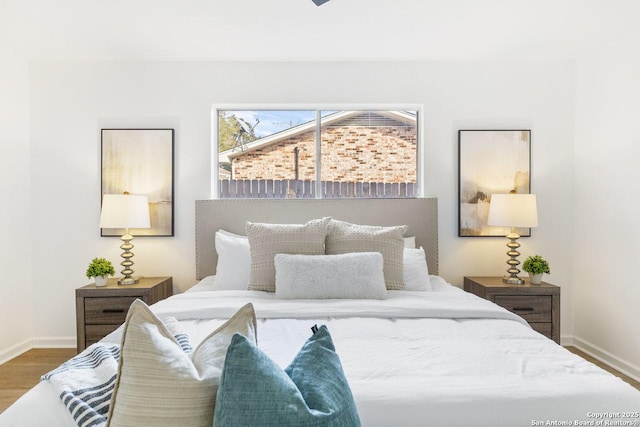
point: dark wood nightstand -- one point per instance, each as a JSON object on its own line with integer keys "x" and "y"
{"x": 539, "y": 304}
{"x": 100, "y": 310}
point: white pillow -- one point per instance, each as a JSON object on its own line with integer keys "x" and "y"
{"x": 415, "y": 270}
{"x": 158, "y": 384}
{"x": 410, "y": 242}
{"x": 234, "y": 261}
{"x": 352, "y": 275}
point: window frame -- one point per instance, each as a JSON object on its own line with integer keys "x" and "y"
{"x": 318, "y": 108}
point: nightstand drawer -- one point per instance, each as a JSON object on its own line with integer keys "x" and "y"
{"x": 532, "y": 308}
{"x": 543, "y": 328}
{"x": 107, "y": 311}
{"x": 94, "y": 333}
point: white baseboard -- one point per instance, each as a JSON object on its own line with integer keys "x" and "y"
{"x": 23, "y": 347}
{"x": 55, "y": 342}
{"x": 566, "y": 340}
{"x": 15, "y": 351}
{"x": 629, "y": 369}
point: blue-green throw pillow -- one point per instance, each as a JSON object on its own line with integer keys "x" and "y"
{"x": 311, "y": 391}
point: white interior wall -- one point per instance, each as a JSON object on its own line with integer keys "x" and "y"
{"x": 70, "y": 102}
{"x": 606, "y": 293}
{"x": 15, "y": 246}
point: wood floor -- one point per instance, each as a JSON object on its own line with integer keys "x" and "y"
{"x": 20, "y": 374}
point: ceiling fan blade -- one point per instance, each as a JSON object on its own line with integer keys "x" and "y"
{"x": 320, "y": 2}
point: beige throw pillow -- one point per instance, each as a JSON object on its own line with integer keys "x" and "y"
{"x": 158, "y": 383}
{"x": 344, "y": 237}
{"x": 267, "y": 240}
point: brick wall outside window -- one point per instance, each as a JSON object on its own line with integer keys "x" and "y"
{"x": 349, "y": 153}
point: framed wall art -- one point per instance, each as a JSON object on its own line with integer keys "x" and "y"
{"x": 490, "y": 162}
{"x": 140, "y": 161}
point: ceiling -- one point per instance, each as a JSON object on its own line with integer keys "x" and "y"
{"x": 298, "y": 30}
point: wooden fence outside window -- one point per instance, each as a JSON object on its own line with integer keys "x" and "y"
{"x": 292, "y": 188}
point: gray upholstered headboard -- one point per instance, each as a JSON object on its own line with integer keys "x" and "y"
{"x": 421, "y": 215}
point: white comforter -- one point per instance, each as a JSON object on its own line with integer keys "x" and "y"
{"x": 443, "y": 358}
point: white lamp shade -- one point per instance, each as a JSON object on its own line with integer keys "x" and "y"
{"x": 513, "y": 210}
{"x": 124, "y": 211}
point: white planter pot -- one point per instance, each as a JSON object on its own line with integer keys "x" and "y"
{"x": 535, "y": 279}
{"x": 101, "y": 281}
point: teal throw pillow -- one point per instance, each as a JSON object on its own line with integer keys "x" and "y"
{"x": 312, "y": 391}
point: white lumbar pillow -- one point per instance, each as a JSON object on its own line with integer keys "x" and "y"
{"x": 352, "y": 276}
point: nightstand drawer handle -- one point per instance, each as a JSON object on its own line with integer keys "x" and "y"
{"x": 522, "y": 308}
{"x": 113, "y": 310}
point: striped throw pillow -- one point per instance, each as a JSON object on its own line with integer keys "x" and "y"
{"x": 158, "y": 383}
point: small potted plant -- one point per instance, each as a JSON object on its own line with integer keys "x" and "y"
{"x": 99, "y": 269}
{"x": 536, "y": 266}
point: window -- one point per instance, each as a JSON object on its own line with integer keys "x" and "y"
{"x": 316, "y": 152}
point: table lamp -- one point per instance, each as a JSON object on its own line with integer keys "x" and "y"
{"x": 125, "y": 211}
{"x": 513, "y": 210}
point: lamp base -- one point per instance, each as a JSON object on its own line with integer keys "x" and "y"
{"x": 127, "y": 281}
{"x": 127, "y": 255}
{"x": 512, "y": 272}
{"x": 513, "y": 280}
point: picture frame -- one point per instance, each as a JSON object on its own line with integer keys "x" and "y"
{"x": 140, "y": 161}
{"x": 490, "y": 162}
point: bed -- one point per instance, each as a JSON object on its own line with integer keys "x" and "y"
{"x": 436, "y": 356}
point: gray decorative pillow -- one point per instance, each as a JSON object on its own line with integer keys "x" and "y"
{"x": 267, "y": 240}
{"x": 344, "y": 237}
